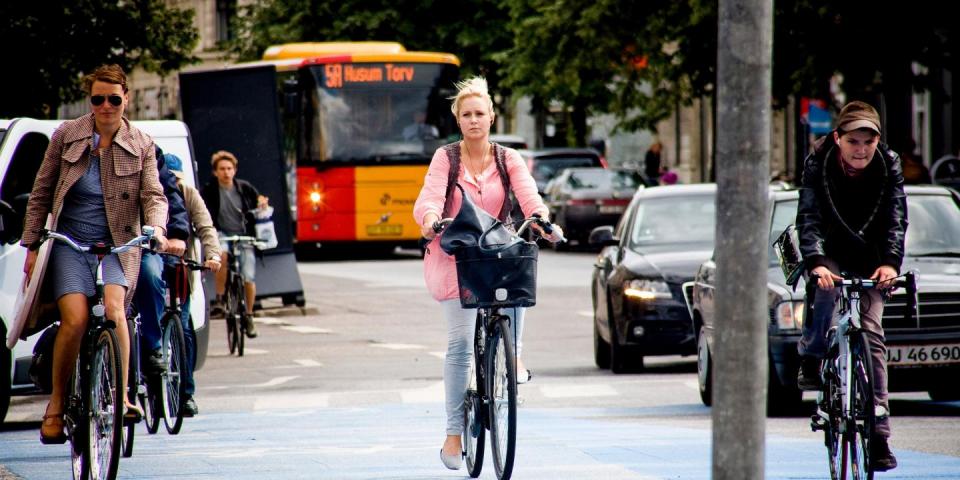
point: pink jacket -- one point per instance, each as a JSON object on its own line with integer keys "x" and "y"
{"x": 440, "y": 269}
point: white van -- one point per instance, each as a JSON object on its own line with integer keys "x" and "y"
{"x": 23, "y": 142}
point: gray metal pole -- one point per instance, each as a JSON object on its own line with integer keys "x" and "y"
{"x": 744, "y": 57}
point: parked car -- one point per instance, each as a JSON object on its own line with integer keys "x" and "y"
{"x": 581, "y": 199}
{"x": 509, "y": 140}
{"x": 23, "y": 142}
{"x": 638, "y": 302}
{"x": 922, "y": 354}
{"x": 547, "y": 163}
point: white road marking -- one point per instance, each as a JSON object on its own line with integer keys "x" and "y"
{"x": 291, "y": 401}
{"x": 585, "y": 313}
{"x": 431, "y": 394}
{"x": 397, "y": 346}
{"x": 577, "y": 390}
{"x": 308, "y": 362}
{"x": 306, "y": 329}
{"x": 270, "y": 321}
{"x": 269, "y": 383}
{"x": 440, "y": 355}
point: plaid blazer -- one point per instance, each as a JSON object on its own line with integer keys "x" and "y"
{"x": 128, "y": 174}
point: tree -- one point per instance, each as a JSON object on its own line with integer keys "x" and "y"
{"x": 53, "y": 44}
{"x": 474, "y": 30}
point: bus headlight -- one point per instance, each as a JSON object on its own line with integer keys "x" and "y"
{"x": 646, "y": 290}
{"x": 790, "y": 315}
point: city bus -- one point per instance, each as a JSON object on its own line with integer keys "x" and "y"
{"x": 359, "y": 124}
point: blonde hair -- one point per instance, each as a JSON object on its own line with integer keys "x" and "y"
{"x": 471, "y": 87}
{"x": 223, "y": 155}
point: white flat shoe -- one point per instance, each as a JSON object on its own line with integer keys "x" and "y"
{"x": 524, "y": 376}
{"x": 453, "y": 462}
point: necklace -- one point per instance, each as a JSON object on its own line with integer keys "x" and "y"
{"x": 483, "y": 161}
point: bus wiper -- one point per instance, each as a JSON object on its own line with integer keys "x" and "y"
{"x": 401, "y": 156}
{"x": 945, "y": 253}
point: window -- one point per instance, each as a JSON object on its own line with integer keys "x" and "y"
{"x": 226, "y": 12}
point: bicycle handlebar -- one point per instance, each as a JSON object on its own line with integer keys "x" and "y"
{"x": 244, "y": 239}
{"x": 907, "y": 280}
{"x": 97, "y": 248}
{"x": 440, "y": 225}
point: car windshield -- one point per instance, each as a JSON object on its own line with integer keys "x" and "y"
{"x": 546, "y": 168}
{"x": 603, "y": 179}
{"x": 934, "y": 228}
{"x": 674, "y": 220}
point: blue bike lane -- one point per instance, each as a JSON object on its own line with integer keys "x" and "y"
{"x": 401, "y": 441}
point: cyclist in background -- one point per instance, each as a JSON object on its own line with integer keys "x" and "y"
{"x": 231, "y": 202}
{"x": 202, "y": 225}
{"x": 852, "y": 218}
{"x": 488, "y": 174}
{"x": 150, "y": 286}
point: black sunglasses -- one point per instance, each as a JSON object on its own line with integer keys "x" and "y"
{"x": 114, "y": 100}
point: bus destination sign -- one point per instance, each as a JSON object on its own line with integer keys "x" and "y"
{"x": 337, "y": 75}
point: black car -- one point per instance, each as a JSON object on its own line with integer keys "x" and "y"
{"x": 922, "y": 354}
{"x": 581, "y": 199}
{"x": 638, "y": 301}
{"x": 547, "y": 163}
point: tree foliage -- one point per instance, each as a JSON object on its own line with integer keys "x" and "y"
{"x": 51, "y": 45}
{"x": 636, "y": 60}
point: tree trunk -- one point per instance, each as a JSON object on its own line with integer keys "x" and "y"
{"x": 743, "y": 157}
{"x": 577, "y": 135}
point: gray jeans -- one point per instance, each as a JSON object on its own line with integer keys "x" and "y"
{"x": 456, "y": 366}
{"x": 814, "y": 341}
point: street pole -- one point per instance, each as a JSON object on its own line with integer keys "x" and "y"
{"x": 744, "y": 56}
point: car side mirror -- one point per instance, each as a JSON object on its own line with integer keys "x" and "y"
{"x": 603, "y": 237}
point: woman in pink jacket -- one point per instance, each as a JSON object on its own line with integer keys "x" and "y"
{"x": 481, "y": 178}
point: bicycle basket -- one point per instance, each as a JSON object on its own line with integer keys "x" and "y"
{"x": 498, "y": 277}
{"x": 787, "y": 247}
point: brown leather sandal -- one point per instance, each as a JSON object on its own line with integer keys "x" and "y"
{"x": 132, "y": 414}
{"x": 52, "y": 420}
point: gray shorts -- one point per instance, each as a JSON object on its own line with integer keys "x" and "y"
{"x": 75, "y": 272}
{"x": 247, "y": 258}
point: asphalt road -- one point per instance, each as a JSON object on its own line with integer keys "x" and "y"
{"x": 353, "y": 389}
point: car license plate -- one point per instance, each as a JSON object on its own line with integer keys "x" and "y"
{"x": 611, "y": 208}
{"x": 923, "y": 354}
{"x": 384, "y": 229}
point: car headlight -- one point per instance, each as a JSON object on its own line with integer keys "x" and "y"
{"x": 790, "y": 315}
{"x": 642, "y": 289}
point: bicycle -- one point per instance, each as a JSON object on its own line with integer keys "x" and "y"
{"x": 490, "y": 402}
{"x": 94, "y": 407}
{"x": 234, "y": 294}
{"x": 173, "y": 344}
{"x": 138, "y": 385}
{"x": 846, "y": 411}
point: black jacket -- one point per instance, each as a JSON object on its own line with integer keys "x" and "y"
{"x": 248, "y": 197}
{"x": 869, "y": 234}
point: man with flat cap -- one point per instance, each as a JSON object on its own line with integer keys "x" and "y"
{"x": 852, "y": 218}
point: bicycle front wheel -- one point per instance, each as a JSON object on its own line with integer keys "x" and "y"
{"x": 171, "y": 384}
{"x": 105, "y": 401}
{"x": 231, "y": 315}
{"x": 502, "y": 390}
{"x": 863, "y": 413}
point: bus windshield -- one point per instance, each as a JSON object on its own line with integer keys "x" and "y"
{"x": 372, "y": 113}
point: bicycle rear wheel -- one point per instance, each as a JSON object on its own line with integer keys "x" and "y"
{"x": 149, "y": 402}
{"x": 105, "y": 401}
{"x": 241, "y": 295}
{"x": 133, "y": 382}
{"x": 863, "y": 421}
{"x": 502, "y": 390}
{"x": 76, "y": 428}
{"x": 171, "y": 384}
{"x": 473, "y": 431}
